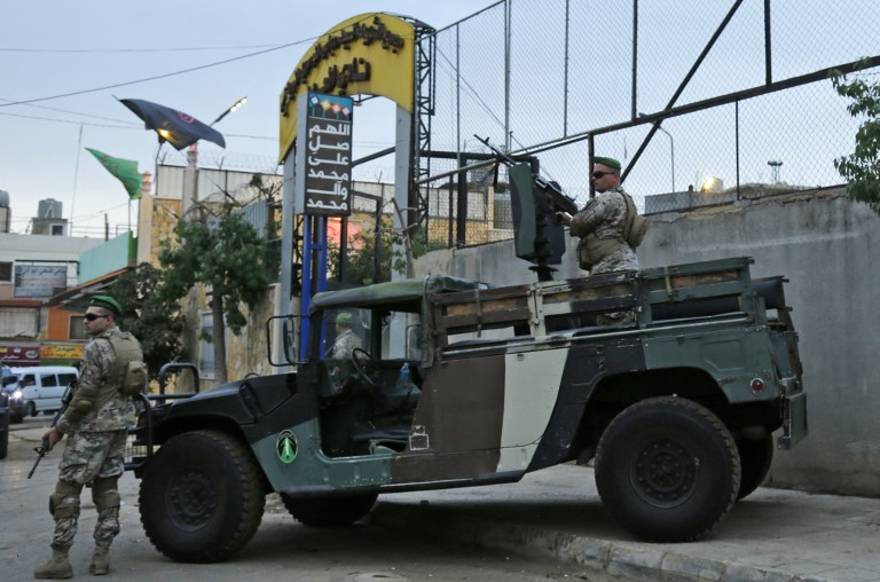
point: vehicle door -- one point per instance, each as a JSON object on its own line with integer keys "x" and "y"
{"x": 29, "y": 391}
{"x": 48, "y": 396}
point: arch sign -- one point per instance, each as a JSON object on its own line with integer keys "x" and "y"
{"x": 371, "y": 53}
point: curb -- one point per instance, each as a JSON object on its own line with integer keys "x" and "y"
{"x": 619, "y": 559}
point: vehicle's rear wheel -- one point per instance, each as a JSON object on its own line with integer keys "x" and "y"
{"x": 329, "y": 511}
{"x": 201, "y": 497}
{"x": 756, "y": 458}
{"x": 31, "y": 409}
{"x": 667, "y": 469}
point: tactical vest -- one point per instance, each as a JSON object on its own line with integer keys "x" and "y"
{"x": 128, "y": 376}
{"x": 592, "y": 249}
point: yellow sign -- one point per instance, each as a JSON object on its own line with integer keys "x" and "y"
{"x": 62, "y": 352}
{"x": 370, "y": 54}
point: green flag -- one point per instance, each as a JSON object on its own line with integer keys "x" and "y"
{"x": 126, "y": 171}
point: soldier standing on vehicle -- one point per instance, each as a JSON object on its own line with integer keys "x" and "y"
{"x": 346, "y": 339}
{"x": 609, "y": 225}
{"x": 96, "y": 422}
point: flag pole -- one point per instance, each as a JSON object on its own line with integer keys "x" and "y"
{"x": 75, "y": 179}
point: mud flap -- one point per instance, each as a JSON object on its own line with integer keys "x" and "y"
{"x": 794, "y": 420}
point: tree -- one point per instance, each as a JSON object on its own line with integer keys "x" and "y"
{"x": 225, "y": 253}
{"x": 153, "y": 319}
{"x": 861, "y": 169}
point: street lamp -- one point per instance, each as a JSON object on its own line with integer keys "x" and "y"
{"x": 671, "y": 149}
{"x": 234, "y": 107}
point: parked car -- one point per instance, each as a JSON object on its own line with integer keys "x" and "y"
{"x": 4, "y": 425}
{"x": 10, "y": 389}
{"x": 42, "y": 387}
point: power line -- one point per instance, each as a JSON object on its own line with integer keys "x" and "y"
{"x": 69, "y": 121}
{"x": 58, "y": 109}
{"x": 135, "y": 50}
{"x": 162, "y": 76}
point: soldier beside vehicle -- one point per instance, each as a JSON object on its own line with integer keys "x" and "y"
{"x": 96, "y": 422}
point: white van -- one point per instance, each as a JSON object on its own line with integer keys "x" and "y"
{"x": 43, "y": 386}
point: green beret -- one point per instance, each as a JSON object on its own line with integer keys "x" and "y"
{"x": 609, "y": 162}
{"x": 106, "y": 302}
{"x": 344, "y": 318}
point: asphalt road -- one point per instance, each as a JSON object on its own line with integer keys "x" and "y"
{"x": 282, "y": 549}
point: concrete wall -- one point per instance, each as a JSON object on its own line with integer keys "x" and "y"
{"x": 824, "y": 244}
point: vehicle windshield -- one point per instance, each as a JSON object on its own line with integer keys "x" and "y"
{"x": 345, "y": 330}
{"x": 348, "y": 329}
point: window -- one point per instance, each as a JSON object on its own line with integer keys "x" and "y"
{"x": 66, "y": 379}
{"x": 48, "y": 380}
{"x": 57, "y": 230}
{"x": 77, "y": 327}
{"x": 28, "y": 380}
{"x": 5, "y": 271}
{"x": 206, "y": 346}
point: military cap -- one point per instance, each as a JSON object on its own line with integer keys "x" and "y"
{"x": 609, "y": 162}
{"x": 344, "y": 318}
{"x": 106, "y": 302}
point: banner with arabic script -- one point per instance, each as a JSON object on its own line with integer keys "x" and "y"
{"x": 323, "y": 153}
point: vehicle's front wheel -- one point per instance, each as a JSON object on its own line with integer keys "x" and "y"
{"x": 4, "y": 443}
{"x": 668, "y": 469}
{"x": 329, "y": 511}
{"x": 756, "y": 458}
{"x": 15, "y": 418}
{"x": 201, "y": 497}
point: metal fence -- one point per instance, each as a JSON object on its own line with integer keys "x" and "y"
{"x": 738, "y": 91}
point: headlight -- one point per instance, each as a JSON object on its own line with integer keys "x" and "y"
{"x": 16, "y": 395}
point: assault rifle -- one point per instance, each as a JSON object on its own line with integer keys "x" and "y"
{"x": 44, "y": 445}
{"x": 538, "y": 236}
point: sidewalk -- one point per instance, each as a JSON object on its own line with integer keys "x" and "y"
{"x": 773, "y": 535}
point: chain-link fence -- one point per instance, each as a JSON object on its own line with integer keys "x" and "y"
{"x": 740, "y": 89}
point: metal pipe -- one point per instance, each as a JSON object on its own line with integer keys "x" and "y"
{"x": 373, "y": 156}
{"x": 736, "y": 131}
{"x": 635, "y": 58}
{"x": 565, "y": 75}
{"x": 682, "y": 85}
{"x": 768, "y": 62}
{"x": 507, "y": 31}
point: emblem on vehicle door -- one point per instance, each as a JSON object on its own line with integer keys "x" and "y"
{"x": 286, "y": 447}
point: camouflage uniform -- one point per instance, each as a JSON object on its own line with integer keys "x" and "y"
{"x": 96, "y": 422}
{"x": 601, "y": 225}
{"x": 345, "y": 344}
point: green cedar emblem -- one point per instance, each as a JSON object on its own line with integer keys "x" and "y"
{"x": 286, "y": 447}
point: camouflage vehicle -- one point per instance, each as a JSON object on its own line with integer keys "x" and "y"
{"x": 478, "y": 386}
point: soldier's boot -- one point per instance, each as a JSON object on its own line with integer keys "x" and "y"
{"x": 100, "y": 560}
{"x": 55, "y": 568}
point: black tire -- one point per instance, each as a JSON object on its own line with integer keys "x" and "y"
{"x": 201, "y": 497}
{"x": 329, "y": 511}
{"x": 4, "y": 443}
{"x": 31, "y": 409}
{"x": 15, "y": 419}
{"x": 756, "y": 458}
{"x": 667, "y": 469}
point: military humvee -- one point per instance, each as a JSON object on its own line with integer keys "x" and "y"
{"x": 676, "y": 405}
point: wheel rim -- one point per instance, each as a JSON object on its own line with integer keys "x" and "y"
{"x": 191, "y": 499}
{"x": 664, "y": 473}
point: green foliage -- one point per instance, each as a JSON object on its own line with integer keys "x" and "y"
{"x": 360, "y": 268}
{"x": 225, "y": 254}
{"x": 153, "y": 319}
{"x": 861, "y": 169}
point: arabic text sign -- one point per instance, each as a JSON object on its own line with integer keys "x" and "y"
{"x": 326, "y": 147}
{"x": 62, "y": 352}
{"x": 39, "y": 281}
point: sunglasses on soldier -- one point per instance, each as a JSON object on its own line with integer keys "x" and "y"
{"x": 93, "y": 316}
{"x": 598, "y": 175}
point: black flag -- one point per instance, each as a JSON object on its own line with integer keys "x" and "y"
{"x": 175, "y": 127}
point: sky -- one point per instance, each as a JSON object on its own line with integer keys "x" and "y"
{"x": 38, "y": 158}
{"x": 95, "y": 43}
